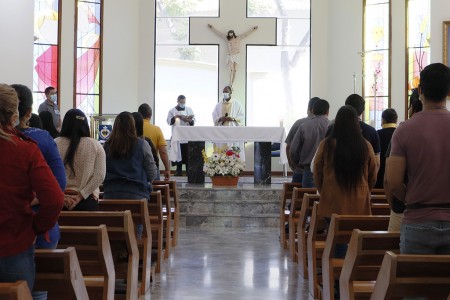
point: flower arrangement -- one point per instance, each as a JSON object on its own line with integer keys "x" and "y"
{"x": 224, "y": 161}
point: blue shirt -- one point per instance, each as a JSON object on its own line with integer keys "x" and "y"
{"x": 51, "y": 155}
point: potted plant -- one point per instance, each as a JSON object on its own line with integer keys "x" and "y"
{"x": 223, "y": 166}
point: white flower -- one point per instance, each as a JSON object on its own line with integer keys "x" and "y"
{"x": 224, "y": 161}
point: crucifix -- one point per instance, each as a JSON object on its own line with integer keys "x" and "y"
{"x": 233, "y": 17}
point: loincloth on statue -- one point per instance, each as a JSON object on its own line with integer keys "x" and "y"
{"x": 233, "y": 58}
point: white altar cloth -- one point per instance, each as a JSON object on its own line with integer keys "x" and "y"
{"x": 227, "y": 134}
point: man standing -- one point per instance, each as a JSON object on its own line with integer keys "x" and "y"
{"x": 228, "y": 112}
{"x": 51, "y": 104}
{"x": 307, "y": 139}
{"x": 155, "y": 134}
{"x": 388, "y": 123}
{"x": 420, "y": 150}
{"x": 181, "y": 115}
{"x": 298, "y": 172}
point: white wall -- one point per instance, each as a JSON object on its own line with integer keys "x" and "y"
{"x": 67, "y": 49}
{"x": 336, "y": 41}
{"x": 146, "y": 52}
{"x": 120, "y": 56}
{"x": 16, "y": 38}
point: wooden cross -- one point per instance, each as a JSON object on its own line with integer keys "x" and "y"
{"x": 233, "y": 16}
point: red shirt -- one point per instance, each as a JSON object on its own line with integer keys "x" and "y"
{"x": 24, "y": 173}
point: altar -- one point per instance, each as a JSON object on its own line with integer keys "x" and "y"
{"x": 196, "y": 136}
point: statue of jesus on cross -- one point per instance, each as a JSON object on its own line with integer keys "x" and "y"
{"x": 234, "y": 45}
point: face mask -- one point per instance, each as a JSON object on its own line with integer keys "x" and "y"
{"x": 181, "y": 105}
{"x": 54, "y": 98}
{"x": 226, "y": 96}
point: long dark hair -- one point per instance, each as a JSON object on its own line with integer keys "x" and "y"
{"x": 74, "y": 127}
{"x": 47, "y": 123}
{"x": 123, "y": 136}
{"x": 25, "y": 99}
{"x": 350, "y": 152}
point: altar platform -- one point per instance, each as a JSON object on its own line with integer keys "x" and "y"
{"x": 247, "y": 205}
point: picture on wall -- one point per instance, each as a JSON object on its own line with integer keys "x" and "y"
{"x": 446, "y": 43}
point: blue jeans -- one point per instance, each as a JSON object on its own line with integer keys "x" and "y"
{"x": 308, "y": 180}
{"x": 432, "y": 237}
{"x": 297, "y": 177}
{"x": 18, "y": 267}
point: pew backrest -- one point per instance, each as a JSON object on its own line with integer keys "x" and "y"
{"x": 95, "y": 258}
{"x": 339, "y": 232}
{"x": 406, "y": 275}
{"x": 58, "y": 272}
{"x": 363, "y": 261}
{"x": 15, "y": 291}
{"x": 286, "y": 195}
{"x": 122, "y": 238}
{"x": 303, "y": 230}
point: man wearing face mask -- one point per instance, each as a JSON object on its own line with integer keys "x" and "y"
{"x": 51, "y": 105}
{"x": 181, "y": 115}
{"x": 228, "y": 112}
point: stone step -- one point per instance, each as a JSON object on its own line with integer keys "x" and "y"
{"x": 223, "y": 207}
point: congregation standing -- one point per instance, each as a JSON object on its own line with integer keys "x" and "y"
{"x": 46, "y": 170}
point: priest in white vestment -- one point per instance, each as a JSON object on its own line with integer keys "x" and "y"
{"x": 229, "y": 112}
{"x": 180, "y": 115}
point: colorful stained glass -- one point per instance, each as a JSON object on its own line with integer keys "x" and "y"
{"x": 418, "y": 40}
{"x": 45, "y": 57}
{"x": 376, "y": 55}
{"x": 87, "y": 64}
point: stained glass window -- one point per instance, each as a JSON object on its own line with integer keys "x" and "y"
{"x": 88, "y": 52}
{"x": 46, "y": 24}
{"x": 284, "y": 68}
{"x": 418, "y": 52}
{"x": 376, "y": 55}
{"x": 181, "y": 68}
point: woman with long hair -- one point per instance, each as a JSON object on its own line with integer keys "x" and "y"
{"x": 130, "y": 166}
{"x": 345, "y": 168}
{"x": 24, "y": 176}
{"x": 84, "y": 162}
{"x": 47, "y": 123}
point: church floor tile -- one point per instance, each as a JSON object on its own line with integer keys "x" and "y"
{"x": 228, "y": 263}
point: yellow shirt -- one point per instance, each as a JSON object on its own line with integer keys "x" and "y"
{"x": 154, "y": 133}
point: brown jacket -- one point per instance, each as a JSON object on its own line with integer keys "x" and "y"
{"x": 333, "y": 199}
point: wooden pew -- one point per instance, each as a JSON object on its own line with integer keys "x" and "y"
{"x": 59, "y": 273}
{"x": 167, "y": 217}
{"x": 406, "y": 275}
{"x": 174, "y": 209}
{"x": 363, "y": 261}
{"x": 122, "y": 238}
{"x": 288, "y": 188}
{"x": 377, "y": 192}
{"x": 156, "y": 222}
{"x": 380, "y": 199}
{"x": 380, "y": 209}
{"x": 339, "y": 232}
{"x": 294, "y": 217}
{"x": 315, "y": 246}
{"x": 303, "y": 229}
{"x": 15, "y": 291}
{"x": 139, "y": 213}
{"x": 95, "y": 257}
